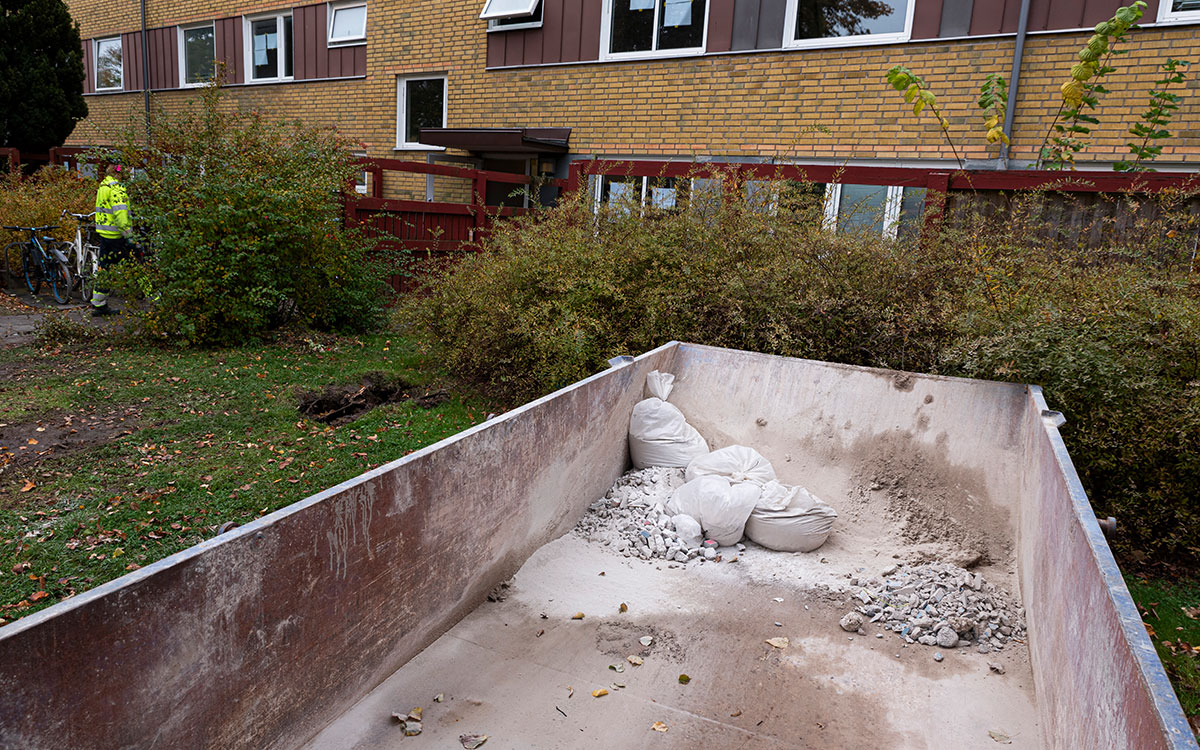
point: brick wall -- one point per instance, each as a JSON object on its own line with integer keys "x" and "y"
{"x": 827, "y": 104}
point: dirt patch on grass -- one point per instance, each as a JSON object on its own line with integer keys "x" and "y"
{"x": 58, "y": 434}
{"x": 338, "y": 404}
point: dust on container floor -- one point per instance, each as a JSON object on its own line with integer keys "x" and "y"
{"x": 903, "y": 628}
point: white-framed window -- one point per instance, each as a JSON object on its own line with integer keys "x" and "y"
{"x": 268, "y": 47}
{"x": 510, "y": 15}
{"x": 1178, "y": 11}
{"x": 420, "y": 103}
{"x": 347, "y": 24}
{"x": 890, "y": 210}
{"x": 197, "y": 55}
{"x": 362, "y": 184}
{"x": 110, "y": 74}
{"x": 653, "y": 28}
{"x": 808, "y": 24}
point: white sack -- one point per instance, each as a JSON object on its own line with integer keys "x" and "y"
{"x": 736, "y": 462}
{"x": 690, "y": 533}
{"x": 659, "y": 435}
{"x": 720, "y": 506}
{"x": 802, "y": 526}
{"x": 776, "y": 496}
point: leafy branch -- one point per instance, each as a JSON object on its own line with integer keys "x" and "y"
{"x": 993, "y": 100}
{"x": 1082, "y": 93}
{"x": 917, "y": 93}
{"x": 1155, "y": 120}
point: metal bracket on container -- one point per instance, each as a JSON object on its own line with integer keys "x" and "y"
{"x": 1056, "y": 417}
{"x": 1108, "y": 525}
{"x": 624, "y": 359}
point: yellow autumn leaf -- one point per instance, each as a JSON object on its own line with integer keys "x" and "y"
{"x": 599, "y": 693}
{"x": 658, "y": 726}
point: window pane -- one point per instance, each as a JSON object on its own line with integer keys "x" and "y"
{"x": 1182, "y": 5}
{"x": 266, "y": 48}
{"x": 108, "y": 64}
{"x": 507, "y": 8}
{"x": 425, "y": 102}
{"x": 912, "y": 203}
{"x": 199, "y": 51}
{"x": 861, "y": 208}
{"x": 535, "y": 17}
{"x": 662, "y": 193}
{"x": 681, "y": 24}
{"x": 287, "y": 46}
{"x": 349, "y": 23}
{"x": 632, "y": 25}
{"x": 819, "y": 19}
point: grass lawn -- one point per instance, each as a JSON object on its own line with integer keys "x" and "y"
{"x": 1171, "y": 611}
{"x": 112, "y": 457}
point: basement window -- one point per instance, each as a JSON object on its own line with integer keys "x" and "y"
{"x": 347, "y": 24}
{"x": 888, "y": 210}
{"x": 654, "y": 28}
{"x": 809, "y": 24}
{"x": 109, "y": 69}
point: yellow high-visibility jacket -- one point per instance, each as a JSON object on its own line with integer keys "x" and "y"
{"x": 112, "y": 209}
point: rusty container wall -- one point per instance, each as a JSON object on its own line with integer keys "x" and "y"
{"x": 260, "y": 637}
{"x": 1099, "y": 681}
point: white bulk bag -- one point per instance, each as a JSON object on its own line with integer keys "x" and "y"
{"x": 736, "y": 462}
{"x": 802, "y": 526}
{"x": 659, "y": 435}
{"x": 776, "y": 496}
{"x": 691, "y": 535}
{"x": 720, "y": 506}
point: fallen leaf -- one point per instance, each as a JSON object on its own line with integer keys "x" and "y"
{"x": 645, "y": 640}
{"x": 617, "y": 685}
{"x": 1192, "y": 612}
{"x": 617, "y": 667}
{"x": 577, "y": 616}
{"x": 38, "y": 595}
{"x": 29, "y": 485}
{"x": 1149, "y": 629}
{"x": 684, "y": 679}
{"x": 736, "y": 713}
{"x": 658, "y": 726}
{"x": 439, "y": 697}
{"x": 599, "y": 692}
{"x": 634, "y": 660}
{"x": 778, "y": 642}
{"x": 472, "y": 741}
{"x": 1000, "y": 737}
{"x": 570, "y": 691}
{"x": 415, "y": 714}
{"x": 540, "y": 633}
{"x": 31, "y": 441}
{"x": 623, "y": 608}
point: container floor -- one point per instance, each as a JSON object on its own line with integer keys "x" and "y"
{"x": 522, "y": 671}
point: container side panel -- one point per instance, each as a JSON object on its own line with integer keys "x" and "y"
{"x": 259, "y": 638}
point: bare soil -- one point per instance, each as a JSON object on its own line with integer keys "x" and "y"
{"x": 338, "y": 404}
{"x": 28, "y": 443}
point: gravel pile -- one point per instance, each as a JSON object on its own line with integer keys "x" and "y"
{"x": 630, "y": 518}
{"x": 938, "y": 604}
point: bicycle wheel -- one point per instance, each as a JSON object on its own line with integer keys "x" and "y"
{"x": 60, "y": 282}
{"x": 87, "y": 271}
{"x": 31, "y": 270}
{"x": 72, "y": 254}
{"x": 9, "y": 263}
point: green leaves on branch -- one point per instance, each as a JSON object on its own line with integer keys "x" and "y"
{"x": 1155, "y": 120}
{"x": 993, "y": 100}
{"x": 1082, "y": 92}
{"x": 917, "y": 93}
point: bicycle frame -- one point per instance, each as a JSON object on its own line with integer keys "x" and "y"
{"x": 87, "y": 251}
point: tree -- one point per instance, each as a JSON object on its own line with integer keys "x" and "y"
{"x": 41, "y": 74}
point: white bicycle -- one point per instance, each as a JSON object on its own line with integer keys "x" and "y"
{"x": 83, "y": 254}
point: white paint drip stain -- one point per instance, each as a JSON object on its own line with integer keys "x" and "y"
{"x": 351, "y": 515}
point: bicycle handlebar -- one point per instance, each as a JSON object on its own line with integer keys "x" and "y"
{"x": 46, "y": 228}
{"x": 79, "y": 217}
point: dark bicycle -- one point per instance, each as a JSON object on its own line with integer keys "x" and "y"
{"x": 42, "y": 260}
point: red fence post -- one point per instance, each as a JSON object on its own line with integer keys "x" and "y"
{"x": 481, "y": 217}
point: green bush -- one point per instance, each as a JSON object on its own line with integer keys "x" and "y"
{"x": 242, "y": 215}
{"x": 1112, "y": 334}
{"x": 39, "y": 199}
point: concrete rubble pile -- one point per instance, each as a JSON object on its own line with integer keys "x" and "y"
{"x": 631, "y": 518}
{"x": 937, "y": 604}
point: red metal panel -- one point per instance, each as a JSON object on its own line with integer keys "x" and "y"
{"x": 1095, "y": 11}
{"x": 589, "y": 37}
{"x": 534, "y": 41}
{"x": 239, "y": 52}
{"x": 720, "y": 25}
{"x": 333, "y": 58}
{"x": 1039, "y": 15}
{"x": 514, "y": 49}
{"x": 1012, "y": 17}
{"x": 927, "y": 19}
{"x": 572, "y": 29}
{"x": 1065, "y": 14}
{"x": 552, "y": 30}
{"x": 358, "y": 65}
{"x": 88, "y": 77}
{"x": 987, "y": 17}
{"x": 321, "y": 39}
{"x": 495, "y": 50}
{"x": 173, "y": 56}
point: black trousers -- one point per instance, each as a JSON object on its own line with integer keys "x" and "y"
{"x": 113, "y": 250}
